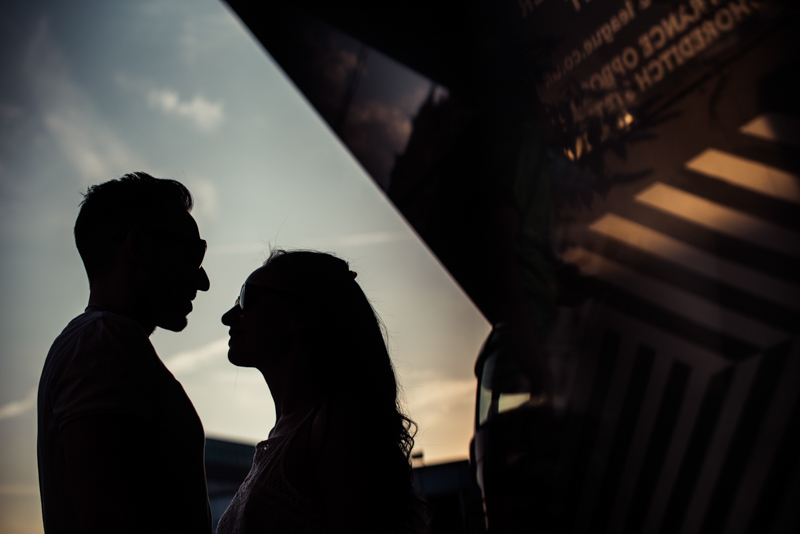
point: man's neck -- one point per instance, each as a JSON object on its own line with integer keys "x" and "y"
{"x": 117, "y": 297}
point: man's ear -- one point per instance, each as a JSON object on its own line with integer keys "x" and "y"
{"x": 135, "y": 247}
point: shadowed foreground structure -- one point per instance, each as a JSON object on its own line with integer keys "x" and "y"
{"x": 633, "y": 166}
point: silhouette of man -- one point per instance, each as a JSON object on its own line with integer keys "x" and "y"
{"x": 120, "y": 446}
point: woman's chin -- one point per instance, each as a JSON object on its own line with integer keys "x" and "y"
{"x": 233, "y": 357}
{"x": 238, "y": 359}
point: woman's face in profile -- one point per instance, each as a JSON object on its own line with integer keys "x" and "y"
{"x": 263, "y": 334}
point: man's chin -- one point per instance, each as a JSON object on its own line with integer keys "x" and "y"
{"x": 173, "y": 324}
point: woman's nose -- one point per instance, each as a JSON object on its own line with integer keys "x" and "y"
{"x": 229, "y": 316}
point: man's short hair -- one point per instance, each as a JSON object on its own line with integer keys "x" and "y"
{"x": 111, "y": 209}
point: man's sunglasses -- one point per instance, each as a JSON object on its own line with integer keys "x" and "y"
{"x": 252, "y": 291}
{"x": 195, "y": 251}
{"x": 190, "y": 252}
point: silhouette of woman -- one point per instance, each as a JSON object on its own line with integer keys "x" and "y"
{"x": 337, "y": 459}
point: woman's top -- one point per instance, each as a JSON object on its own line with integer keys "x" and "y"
{"x": 266, "y": 501}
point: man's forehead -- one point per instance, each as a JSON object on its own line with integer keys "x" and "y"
{"x": 178, "y": 223}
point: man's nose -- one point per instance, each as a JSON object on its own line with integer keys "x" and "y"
{"x": 202, "y": 282}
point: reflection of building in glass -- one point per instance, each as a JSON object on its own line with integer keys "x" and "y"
{"x": 673, "y": 181}
{"x": 453, "y": 499}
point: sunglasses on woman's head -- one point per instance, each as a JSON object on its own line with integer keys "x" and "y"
{"x": 252, "y": 291}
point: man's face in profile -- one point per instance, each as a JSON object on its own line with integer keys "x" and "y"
{"x": 172, "y": 271}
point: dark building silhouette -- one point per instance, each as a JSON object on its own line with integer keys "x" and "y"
{"x": 227, "y": 465}
{"x": 453, "y": 499}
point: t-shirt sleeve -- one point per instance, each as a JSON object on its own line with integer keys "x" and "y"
{"x": 110, "y": 371}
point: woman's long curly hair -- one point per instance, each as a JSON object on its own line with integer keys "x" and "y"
{"x": 343, "y": 342}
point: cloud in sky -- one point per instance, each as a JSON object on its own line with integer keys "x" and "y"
{"x": 69, "y": 116}
{"x": 336, "y": 66}
{"x": 192, "y": 360}
{"x": 18, "y": 407}
{"x": 182, "y": 363}
{"x": 441, "y": 394}
{"x": 351, "y": 240}
{"x": 394, "y": 121}
{"x": 205, "y": 199}
{"x": 206, "y": 115}
{"x": 206, "y": 33}
{"x": 443, "y": 408}
{"x": 370, "y": 238}
{"x": 240, "y": 248}
{"x": 19, "y": 489}
{"x": 377, "y": 132}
